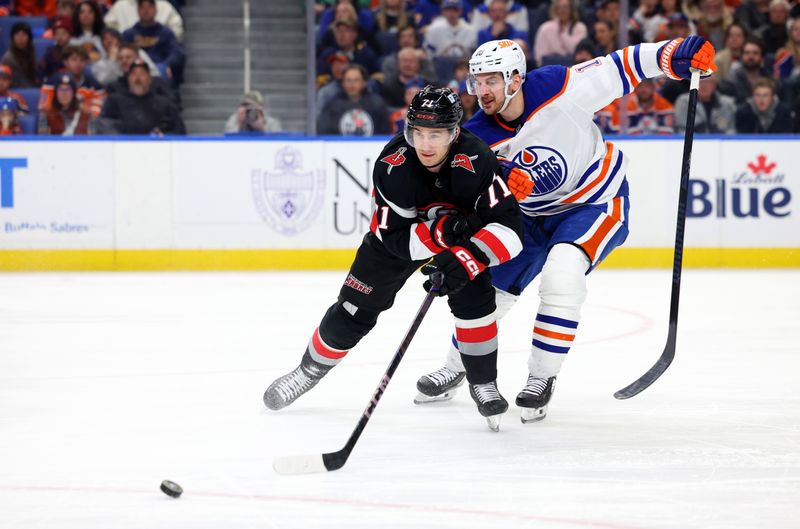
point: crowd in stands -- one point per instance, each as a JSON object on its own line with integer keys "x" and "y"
{"x": 78, "y": 67}
{"x": 374, "y": 55}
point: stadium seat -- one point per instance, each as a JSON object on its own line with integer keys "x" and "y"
{"x": 388, "y": 42}
{"x": 28, "y": 124}
{"x": 31, "y": 96}
{"x": 40, "y": 45}
{"x": 444, "y": 67}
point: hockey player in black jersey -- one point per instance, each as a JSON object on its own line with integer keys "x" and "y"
{"x": 438, "y": 197}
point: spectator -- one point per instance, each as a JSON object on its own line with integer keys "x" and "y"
{"x": 407, "y": 38}
{"x": 346, "y": 11}
{"x": 559, "y": 36}
{"x": 9, "y": 117}
{"x": 391, "y": 16}
{"x": 124, "y": 14}
{"x": 89, "y": 90}
{"x": 65, "y": 116}
{"x": 21, "y": 57}
{"x": 66, "y": 8}
{"x": 763, "y": 113}
{"x": 451, "y": 36}
{"x": 787, "y": 60}
{"x": 408, "y": 69}
{"x": 648, "y": 113}
{"x": 725, "y": 59}
{"x": 753, "y": 14}
{"x": 610, "y": 12}
{"x": 251, "y": 117}
{"x": 670, "y": 8}
{"x": 364, "y": 18}
{"x": 605, "y": 37}
{"x": 398, "y": 118}
{"x": 345, "y": 34}
{"x": 5, "y": 88}
{"x": 127, "y": 55}
{"x": 35, "y": 8}
{"x": 87, "y": 27}
{"x": 584, "y": 51}
{"x": 52, "y": 60}
{"x": 715, "y": 17}
{"x": 468, "y": 102}
{"x": 715, "y": 112}
{"x": 517, "y": 15}
{"x": 740, "y": 81}
{"x": 500, "y": 28}
{"x": 139, "y": 110}
{"x": 774, "y": 35}
{"x": 648, "y": 18}
{"x": 678, "y": 26}
{"x": 107, "y": 70}
{"x": 356, "y": 112}
{"x": 331, "y": 84}
{"x": 158, "y": 41}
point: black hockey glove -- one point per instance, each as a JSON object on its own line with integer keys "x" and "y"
{"x": 450, "y": 229}
{"x": 458, "y": 267}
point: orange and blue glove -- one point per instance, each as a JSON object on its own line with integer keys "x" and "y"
{"x": 518, "y": 179}
{"x": 678, "y": 56}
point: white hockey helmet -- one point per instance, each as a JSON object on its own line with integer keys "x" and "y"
{"x": 502, "y": 56}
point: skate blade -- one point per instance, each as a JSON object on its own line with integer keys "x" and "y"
{"x": 528, "y": 415}
{"x": 493, "y": 421}
{"x": 421, "y": 398}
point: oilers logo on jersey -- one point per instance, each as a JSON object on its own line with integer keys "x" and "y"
{"x": 547, "y": 167}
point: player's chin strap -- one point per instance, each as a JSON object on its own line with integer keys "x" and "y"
{"x": 508, "y": 97}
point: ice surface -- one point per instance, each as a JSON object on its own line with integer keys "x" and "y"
{"x": 110, "y": 383}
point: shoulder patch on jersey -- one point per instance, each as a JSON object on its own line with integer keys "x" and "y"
{"x": 395, "y": 159}
{"x": 463, "y": 161}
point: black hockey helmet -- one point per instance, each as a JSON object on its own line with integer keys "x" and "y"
{"x": 435, "y": 107}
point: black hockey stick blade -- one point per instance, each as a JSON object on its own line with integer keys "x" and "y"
{"x": 661, "y": 365}
{"x": 310, "y": 464}
{"x": 668, "y": 354}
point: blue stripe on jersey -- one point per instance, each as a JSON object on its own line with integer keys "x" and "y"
{"x": 550, "y": 348}
{"x": 609, "y": 179}
{"x": 592, "y": 168}
{"x": 544, "y": 318}
{"x": 455, "y": 343}
{"x": 625, "y": 87}
{"x": 638, "y": 63}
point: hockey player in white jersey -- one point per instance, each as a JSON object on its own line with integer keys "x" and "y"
{"x": 540, "y": 125}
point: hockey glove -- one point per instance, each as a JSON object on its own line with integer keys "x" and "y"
{"x": 677, "y": 56}
{"x": 458, "y": 266}
{"x": 519, "y": 180}
{"x": 450, "y": 229}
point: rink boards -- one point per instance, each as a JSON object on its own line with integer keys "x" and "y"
{"x": 297, "y": 203}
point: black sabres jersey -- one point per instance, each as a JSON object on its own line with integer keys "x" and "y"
{"x": 407, "y": 197}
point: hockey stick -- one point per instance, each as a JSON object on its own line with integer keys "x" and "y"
{"x": 644, "y": 381}
{"x": 335, "y": 460}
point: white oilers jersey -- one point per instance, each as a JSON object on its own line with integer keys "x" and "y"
{"x": 556, "y": 139}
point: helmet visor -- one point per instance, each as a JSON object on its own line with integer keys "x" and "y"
{"x": 485, "y": 81}
{"x": 430, "y": 138}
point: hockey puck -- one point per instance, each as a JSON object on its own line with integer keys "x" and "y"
{"x": 170, "y": 488}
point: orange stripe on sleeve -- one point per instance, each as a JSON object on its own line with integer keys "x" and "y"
{"x": 628, "y": 69}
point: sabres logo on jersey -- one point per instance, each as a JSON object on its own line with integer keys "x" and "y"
{"x": 547, "y": 167}
{"x": 463, "y": 161}
{"x": 395, "y": 159}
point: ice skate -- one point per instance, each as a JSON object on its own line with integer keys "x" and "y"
{"x": 534, "y": 397}
{"x": 438, "y": 386}
{"x": 289, "y": 387}
{"x": 491, "y": 403}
